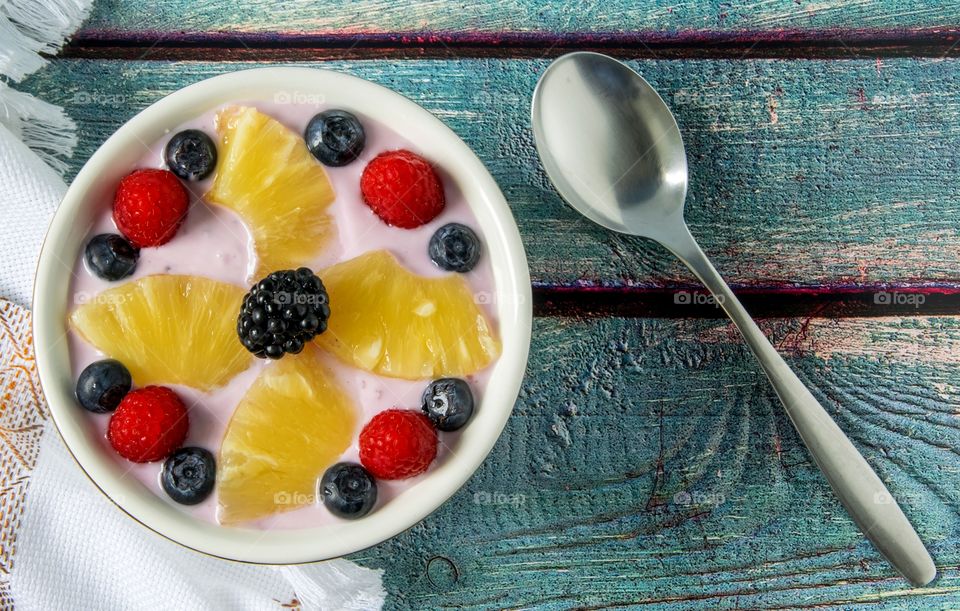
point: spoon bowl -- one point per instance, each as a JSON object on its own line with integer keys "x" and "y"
{"x": 635, "y": 176}
{"x": 614, "y": 152}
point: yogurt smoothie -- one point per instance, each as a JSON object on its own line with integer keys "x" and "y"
{"x": 214, "y": 242}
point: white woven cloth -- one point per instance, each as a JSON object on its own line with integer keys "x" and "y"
{"x": 29, "y": 193}
{"x": 65, "y": 546}
{"x": 75, "y": 550}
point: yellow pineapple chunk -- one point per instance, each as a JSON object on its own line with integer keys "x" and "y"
{"x": 168, "y": 329}
{"x": 293, "y": 423}
{"x": 392, "y": 322}
{"x": 266, "y": 175}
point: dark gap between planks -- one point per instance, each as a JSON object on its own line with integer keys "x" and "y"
{"x": 686, "y": 44}
{"x": 694, "y": 302}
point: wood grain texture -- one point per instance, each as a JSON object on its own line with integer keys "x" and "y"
{"x": 362, "y": 16}
{"x": 803, "y": 173}
{"x": 648, "y": 463}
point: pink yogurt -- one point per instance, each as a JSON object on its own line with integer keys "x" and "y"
{"x": 213, "y": 242}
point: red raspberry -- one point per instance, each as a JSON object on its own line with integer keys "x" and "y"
{"x": 149, "y": 206}
{"x": 397, "y": 444}
{"x": 402, "y": 188}
{"x": 149, "y": 424}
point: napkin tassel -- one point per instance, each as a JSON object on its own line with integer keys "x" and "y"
{"x": 29, "y": 29}
{"x": 43, "y": 127}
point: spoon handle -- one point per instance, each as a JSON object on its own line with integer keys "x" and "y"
{"x": 860, "y": 490}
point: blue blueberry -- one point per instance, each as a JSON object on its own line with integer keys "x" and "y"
{"x": 188, "y": 475}
{"x": 102, "y": 385}
{"x": 348, "y": 490}
{"x": 454, "y": 248}
{"x": 335, "y": 137}
{"x": 111, "y": 256}
{"x": 191, "y": 154}
{"x": 448, "y": 403}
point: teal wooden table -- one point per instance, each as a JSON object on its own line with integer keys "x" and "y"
{"x": 648, "y": 462}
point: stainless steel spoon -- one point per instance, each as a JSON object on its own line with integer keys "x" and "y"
{"x": 614, "y": 152}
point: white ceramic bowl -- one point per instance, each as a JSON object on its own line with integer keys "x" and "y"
{"x": 96, "y": 182}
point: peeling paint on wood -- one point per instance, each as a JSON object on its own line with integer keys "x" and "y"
{"x": 425, "y": 16}
{"x": 648, "y": 463}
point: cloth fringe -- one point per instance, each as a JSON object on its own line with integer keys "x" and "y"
{"x": 43, "y": 127}
{"x": 31, "y": 27}
{"x": 18, "y": 52}
{"x": 336, "y": 584}
{"x": 28, "y": 29}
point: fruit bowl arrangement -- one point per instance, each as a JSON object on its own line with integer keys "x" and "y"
{"x": 292, "y": 330}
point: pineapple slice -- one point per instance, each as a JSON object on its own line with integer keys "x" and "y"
{"x": 293, "y": 423}
{"x": 168, "y": 329}
{"x": 266, "y": 175}
{"x": 390, "y": 321}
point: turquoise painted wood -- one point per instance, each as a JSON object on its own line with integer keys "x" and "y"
{"x": 802, "y": 172}
{"x": 515, "y": 15}
{"x": 648, "y": 463}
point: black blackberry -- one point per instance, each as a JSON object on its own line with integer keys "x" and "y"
{"x": 283, "y": 312}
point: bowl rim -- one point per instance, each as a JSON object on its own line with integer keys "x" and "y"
{"x": 512, "y": 294}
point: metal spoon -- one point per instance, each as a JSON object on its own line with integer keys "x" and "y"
{"x": 614, "y": 152}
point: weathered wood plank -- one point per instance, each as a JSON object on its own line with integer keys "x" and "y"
{"x": 648, "y": 461}
{"x": 364, "y": 16}
{"x": 808, "y": 173}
